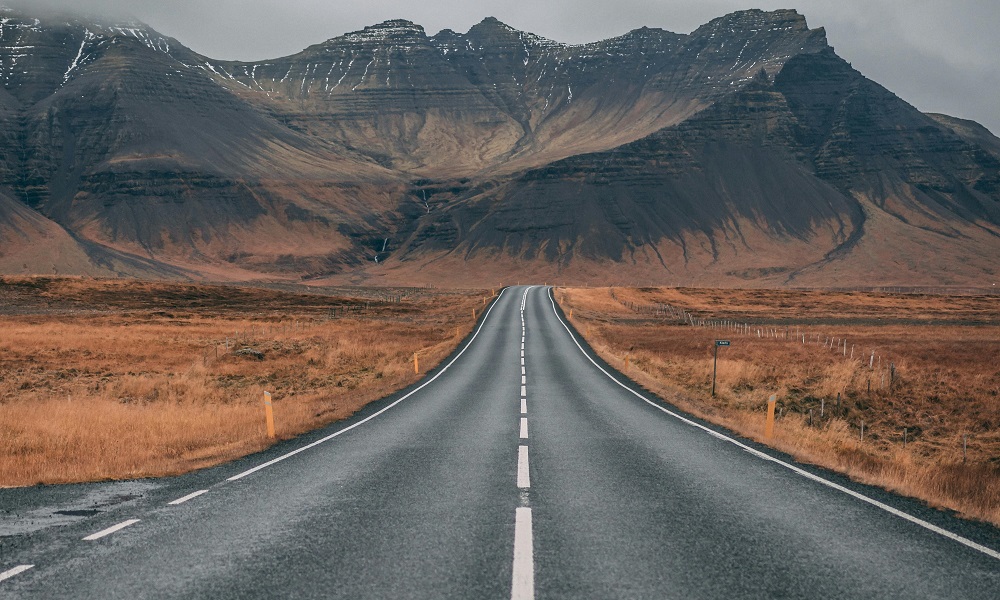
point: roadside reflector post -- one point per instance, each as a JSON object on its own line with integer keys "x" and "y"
{"x": 416, "y": 364}
{"x": 571, "y": 313}
{"x": 715, "y": 361}
{"x": 769, "y": 425}
{"x": 473, "y": 314}
{"x": 269, "y": 414}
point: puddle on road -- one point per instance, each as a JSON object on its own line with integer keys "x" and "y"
{"x": 27, "y": 510}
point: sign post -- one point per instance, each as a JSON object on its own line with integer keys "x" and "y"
{"x": 715, "y": 361}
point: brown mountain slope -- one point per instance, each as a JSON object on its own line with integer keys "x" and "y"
{"x": 138, "y": 153}
{"x": 817, "y": 178}
{"x": 745, "y": 152}
{"x": 496, "y": 100}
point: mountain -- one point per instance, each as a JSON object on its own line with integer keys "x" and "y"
{"x": 744, "y": 153}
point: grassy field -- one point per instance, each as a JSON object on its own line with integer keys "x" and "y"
{"x": 923, "y": 368}
{"x": 110, "y": 379}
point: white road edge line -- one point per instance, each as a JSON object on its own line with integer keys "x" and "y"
{"x": 523, "y": 475}
{"x": 523, "y": 579}
{"x": 184, "y": 499}
{"x": 15, "y": 571}
{"x": 372, "y": 416}
{"x": 894, "y": 511}
{"x": 110, "y": 530}
{"x": 524, "y": 428}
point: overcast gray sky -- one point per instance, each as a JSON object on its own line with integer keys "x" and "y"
{"x": 941, "y": 56}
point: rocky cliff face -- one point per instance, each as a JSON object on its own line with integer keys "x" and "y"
{"x": 746, "y": 150}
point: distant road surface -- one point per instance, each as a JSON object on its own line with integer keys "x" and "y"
{"x": 522, "y": 468}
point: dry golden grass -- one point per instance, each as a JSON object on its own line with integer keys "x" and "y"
{"x": 946, "y": 388}
{"x": 122, "y": 379}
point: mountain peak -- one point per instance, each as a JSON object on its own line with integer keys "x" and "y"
{"x": 394, "y": 29}
{"x": 492, "y": 32}
{"x": 757, "y": 20}
{"x": 493, "y": 21}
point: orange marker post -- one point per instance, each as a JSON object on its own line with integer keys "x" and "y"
{"x": 769, "y": 425}
{"x": 269, "y": 414}
{"x": 416, "y": 364}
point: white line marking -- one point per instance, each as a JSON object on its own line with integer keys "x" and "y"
{"x": 22, "y": 568}
{"x": 916, "y": 521}
{"x": 522, "y": 344}
{"x": 522, "y": 361}
{"x": 524, "y": 428}
{"x": 370, "y": 417}
{"x": 186, "y": 498}
{"x": 522, "y": 353}
{"x": 524, "y": 380}
{"x": 522, "y": 369}
{"x": 523, "y": 580}
{"x": 523, "y": 477}
{"x": 524, "y": 392}
{"x": 110, "y": 530}
{"x": 524, "y": 406}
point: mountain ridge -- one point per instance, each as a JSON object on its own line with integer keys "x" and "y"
{"x": 745, "y": 152}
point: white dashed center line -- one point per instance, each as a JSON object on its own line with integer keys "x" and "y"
{"x": 523, "y": 478}
{"x": 15, "y": 571}
{"x": 523, "y": 587}
{"x": 523, "y": 575}
{"x": 184, "y": 499}
{"x": 110, "y": 530}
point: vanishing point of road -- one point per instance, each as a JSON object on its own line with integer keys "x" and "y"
{"x": 523, "y": 467}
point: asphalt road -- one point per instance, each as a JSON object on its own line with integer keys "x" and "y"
{"x": 524, "y": 467}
